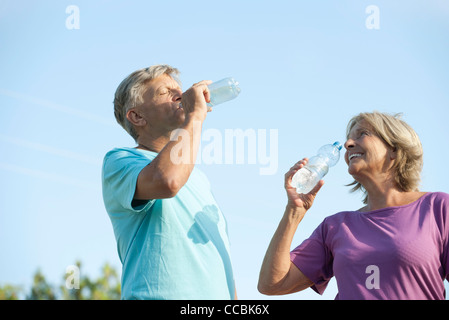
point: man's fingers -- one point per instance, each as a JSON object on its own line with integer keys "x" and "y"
{"x": 203, "y": 85}
{"x": 203, "y": 82}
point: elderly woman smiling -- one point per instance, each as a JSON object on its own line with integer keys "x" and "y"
{"x": 394, "y": 247}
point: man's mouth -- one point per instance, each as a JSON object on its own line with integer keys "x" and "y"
{"x": 179, "y": 107}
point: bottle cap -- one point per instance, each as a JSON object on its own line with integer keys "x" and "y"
{"x": 338, "y": 145}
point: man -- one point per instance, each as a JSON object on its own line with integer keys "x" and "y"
{"x": 171, "y": 235}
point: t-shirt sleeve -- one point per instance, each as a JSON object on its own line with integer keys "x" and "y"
{"x": 314, "y": 259}
{"x": 120, "y": 171}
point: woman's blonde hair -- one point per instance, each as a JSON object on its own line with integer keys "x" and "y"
{"x": 129, "y": 93}
{"x": 397, "y": 134}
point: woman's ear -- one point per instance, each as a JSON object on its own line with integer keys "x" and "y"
{"x": 393, "y": 153}
{"x": 135, "y": 118}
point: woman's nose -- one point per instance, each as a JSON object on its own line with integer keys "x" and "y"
{"x": 349, "y": 144}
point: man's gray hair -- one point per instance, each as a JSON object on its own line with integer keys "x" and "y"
{"x": 129, "y": 93}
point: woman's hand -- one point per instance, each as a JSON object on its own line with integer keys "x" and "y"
{"x": 300, "y": 200}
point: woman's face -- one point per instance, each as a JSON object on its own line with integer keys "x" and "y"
{"x": 367, "y": 155}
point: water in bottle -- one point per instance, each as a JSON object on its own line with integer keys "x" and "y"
{"x": 223, "y": 90}
{"x": 306, "y": 178}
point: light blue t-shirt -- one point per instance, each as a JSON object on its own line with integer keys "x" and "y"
{"x": 175, "y": 248}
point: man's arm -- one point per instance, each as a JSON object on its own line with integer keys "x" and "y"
{"x": 166, "y": 175}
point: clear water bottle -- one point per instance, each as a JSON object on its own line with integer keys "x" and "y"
{"x": 306, "y": 178}
{"x": 223, "y": 90}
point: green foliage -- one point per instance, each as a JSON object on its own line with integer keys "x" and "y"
{"x": 105, "y": 287}
{"x": 9, "y": 292}
{"x": 41, "y": 290}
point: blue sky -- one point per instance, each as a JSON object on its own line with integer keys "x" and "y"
{"x": 305, "y": 68}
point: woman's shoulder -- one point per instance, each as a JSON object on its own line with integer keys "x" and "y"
{"x": 339, "y": 217}
{"x": 440, "y": 195}
{"x": 437, "y": 199}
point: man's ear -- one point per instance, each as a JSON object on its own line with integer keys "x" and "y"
{"x": 135, "y": 118}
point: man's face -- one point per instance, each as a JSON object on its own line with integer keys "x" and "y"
{"x": 161, "y": 107}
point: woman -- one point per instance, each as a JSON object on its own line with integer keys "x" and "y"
{"x": 395, "y": 247}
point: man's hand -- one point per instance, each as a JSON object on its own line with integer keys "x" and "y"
{"x": 194, "y": 100}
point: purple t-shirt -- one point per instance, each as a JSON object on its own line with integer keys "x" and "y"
{"x": 391, "y": 253}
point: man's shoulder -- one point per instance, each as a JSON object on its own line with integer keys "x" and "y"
{"x": 127, "y": 152}
{"x": 123, "y": 151}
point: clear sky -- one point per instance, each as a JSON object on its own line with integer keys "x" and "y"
{"x": 305, "y": 68}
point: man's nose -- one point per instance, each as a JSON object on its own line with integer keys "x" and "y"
{"x": 177, "y": 94}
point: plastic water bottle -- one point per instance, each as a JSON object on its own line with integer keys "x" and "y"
{"x": 306, "y": 178}
{"x": 223, "y": 90}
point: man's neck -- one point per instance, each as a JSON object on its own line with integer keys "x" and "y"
{"x": 155, "y": 144}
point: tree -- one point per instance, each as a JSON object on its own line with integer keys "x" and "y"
{"x": 41, "y": 290}
{"x": 105, "y": 287}
{"x": 9, "y": 292}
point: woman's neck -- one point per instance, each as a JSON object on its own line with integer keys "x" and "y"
{"x": 391, "y": 197}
